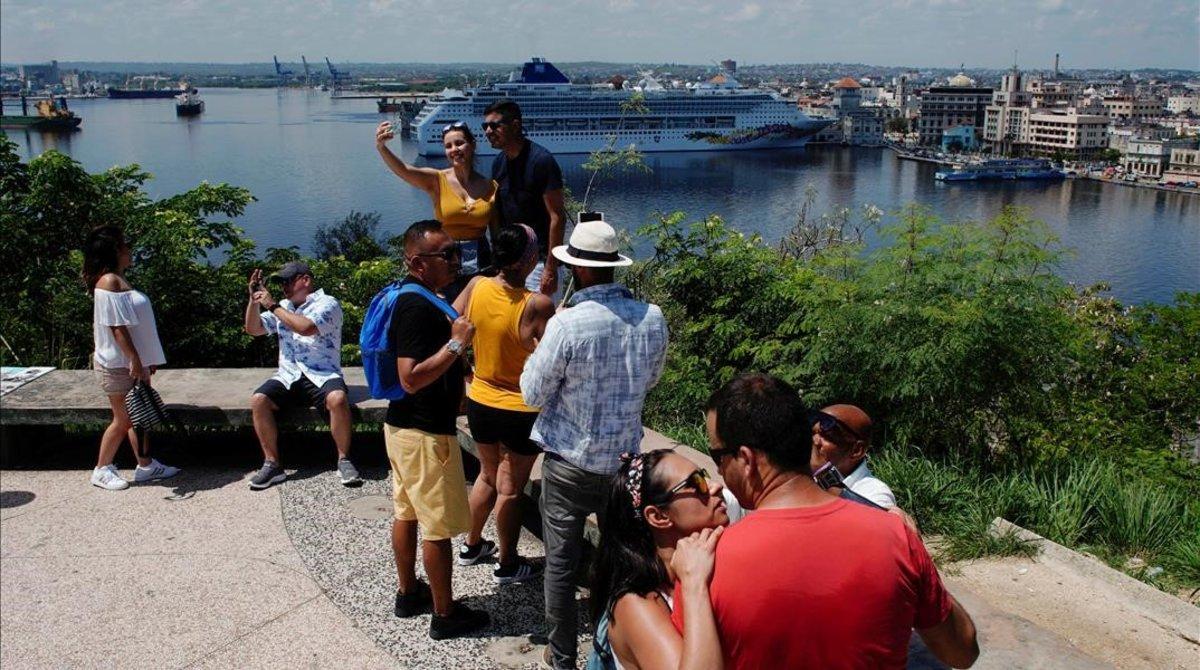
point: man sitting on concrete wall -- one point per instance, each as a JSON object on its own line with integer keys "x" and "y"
{"x": 308, "y": 324}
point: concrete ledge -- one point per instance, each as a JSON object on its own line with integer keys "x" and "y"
{"x": 195, "y": 396}
{"x": 1162, "y": 608}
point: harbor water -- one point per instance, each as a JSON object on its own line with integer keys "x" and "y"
{"x": 309, "y": 160}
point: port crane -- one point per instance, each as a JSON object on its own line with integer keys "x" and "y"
{"x": 279, "y": 71}
{"x": 306, "y": 73}
{"x": 338, "y": 75}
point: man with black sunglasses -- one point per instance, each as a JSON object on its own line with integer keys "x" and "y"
{"x": 429, "y": 489}
{"x": 530, "y": 188}
{"x": 841, "y": 436}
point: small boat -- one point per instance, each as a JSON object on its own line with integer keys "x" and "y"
{"x": 49, "y": 117}
{"x": 1002, "y": 168}
{"x": 188, "y": 104}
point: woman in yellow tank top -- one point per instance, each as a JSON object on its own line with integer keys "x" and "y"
{"x": 509, "y": 320}
{"x": 463, "y": 199}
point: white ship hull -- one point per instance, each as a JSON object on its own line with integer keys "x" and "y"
{"x": 570, "y": 119}
{"x": 430, "y": 144}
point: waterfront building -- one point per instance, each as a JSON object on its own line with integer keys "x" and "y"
{"x": 1184, "y": 166}
{"x": 859, "y": 124}
{"x": 944, "y": 107}
{"x": 1184, "y": 104}
{"x": 1069, "y": 131}
{"x": 1119, "y": 136}
{"x": 1151, "y": 157}
{"x": 1132, "y": 108}
{"x": 39, "y": 76}
{"x": 959, "y": 139}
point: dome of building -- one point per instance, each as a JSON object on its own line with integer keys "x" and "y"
{"x": 847, "y": 82}
{"x": 961, "y": 79}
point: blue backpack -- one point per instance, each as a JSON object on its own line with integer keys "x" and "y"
{"x": 379, "y": 362}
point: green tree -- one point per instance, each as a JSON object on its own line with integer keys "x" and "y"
{"x": 353, "y": 238}
{"x": 898, "y": 124}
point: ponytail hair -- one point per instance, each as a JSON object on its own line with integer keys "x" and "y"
{"x": 627, "y": 559}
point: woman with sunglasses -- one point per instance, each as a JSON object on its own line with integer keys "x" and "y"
{"x": 463, "y": 199}
{"x": 662, "y": 524}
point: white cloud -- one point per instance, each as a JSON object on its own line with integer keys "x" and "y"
{"x": 748, "y": 12}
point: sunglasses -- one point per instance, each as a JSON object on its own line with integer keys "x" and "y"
{"x": 697, "y": 480}
{"x": 457, "y": 125}
{"x": 492, "y": 125}
{"x": 827, "y": 423}
{"x": 448, "y": 254}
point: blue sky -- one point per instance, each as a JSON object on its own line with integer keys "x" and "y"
{"x": 979, "y": 33}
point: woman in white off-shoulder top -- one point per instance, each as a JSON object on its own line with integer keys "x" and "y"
{"x": 127, "y": 351}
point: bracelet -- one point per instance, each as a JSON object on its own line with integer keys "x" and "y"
{"x": 273, "y": 307}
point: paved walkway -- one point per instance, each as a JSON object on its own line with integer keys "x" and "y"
{"x": 204, "y": 573}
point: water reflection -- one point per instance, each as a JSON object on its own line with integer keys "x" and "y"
{"x": 309, "y": 160}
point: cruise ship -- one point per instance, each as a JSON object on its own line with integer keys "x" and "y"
{"x": 566, "y": 118}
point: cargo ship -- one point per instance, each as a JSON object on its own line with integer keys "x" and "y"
{"x": 49, "y": 117}
{"x": 143, "y": 93}
{"x": 1002, "y": 168}
{"x": 716, "y": 115}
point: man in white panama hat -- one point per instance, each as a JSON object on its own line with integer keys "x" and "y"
{"x": 589, "y": 375}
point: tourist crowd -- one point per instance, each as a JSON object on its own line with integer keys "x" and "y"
{"x": 792, "y": 554}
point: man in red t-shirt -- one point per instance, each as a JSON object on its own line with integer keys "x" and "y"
{"x": 809, "y": 580}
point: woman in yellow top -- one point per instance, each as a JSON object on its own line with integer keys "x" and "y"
{"x": 463, "y": 200}
{"x": 509, "y": 320}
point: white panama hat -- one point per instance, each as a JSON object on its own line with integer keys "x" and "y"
{"x": 593, "y": 244}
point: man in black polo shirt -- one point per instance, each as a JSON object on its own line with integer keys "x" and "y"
{"x": 531, "y": 188}
{"x": 428, "y": 486}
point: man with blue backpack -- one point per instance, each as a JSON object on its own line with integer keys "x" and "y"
{"x": 412, "y": 342}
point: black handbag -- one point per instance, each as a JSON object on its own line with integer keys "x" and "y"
{"x": 145, "y": 407}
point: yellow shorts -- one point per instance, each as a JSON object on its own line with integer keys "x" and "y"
{"x": 428, "y": 484}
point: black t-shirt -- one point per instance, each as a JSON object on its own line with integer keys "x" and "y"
{"x": 418, "y": 331}
{"x": 523, "y": 181}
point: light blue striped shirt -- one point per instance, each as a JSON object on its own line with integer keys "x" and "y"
{"x": 590, "y": 374}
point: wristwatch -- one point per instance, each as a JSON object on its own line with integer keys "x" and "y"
{"x": 274, "y": 307}
{"x": 455, "y": 347}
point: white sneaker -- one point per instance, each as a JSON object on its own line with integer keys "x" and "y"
{"x": 154, "y": 472}
{"x": 108, "y": 478}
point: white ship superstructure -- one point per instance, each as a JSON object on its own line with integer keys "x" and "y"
{"x": 718, "y": 115}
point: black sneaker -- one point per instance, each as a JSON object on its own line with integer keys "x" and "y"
{"x": 518, "y": 571}
{"x": 417, "y": 602}
{"x": 460, "y": 621}
{"x": 471, "y": 554}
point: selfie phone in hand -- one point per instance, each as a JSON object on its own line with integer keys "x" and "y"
{"x": 591, "y": 216}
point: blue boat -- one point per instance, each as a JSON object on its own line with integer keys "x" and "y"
{"x": 1002, "y": 168}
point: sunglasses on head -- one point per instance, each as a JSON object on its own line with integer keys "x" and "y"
{"x": 828, "y": 423}
{"x": 697, "y": 480}
{"x": 457, "y": 125}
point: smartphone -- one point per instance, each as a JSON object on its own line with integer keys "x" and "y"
{"x": 591, "y": 216}
{"x": 258, "y": 286}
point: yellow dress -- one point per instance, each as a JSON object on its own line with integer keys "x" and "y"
{"x": 463, "y": 219}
